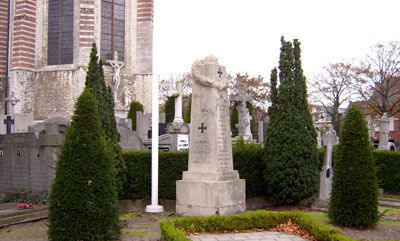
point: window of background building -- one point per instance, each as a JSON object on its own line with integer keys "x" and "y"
{"x": 112, "y": 29}
{"x": 60, "y": 32}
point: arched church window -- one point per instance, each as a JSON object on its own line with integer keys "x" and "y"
{"x": 60, "y": 32}
{"x": 112, "y": 29}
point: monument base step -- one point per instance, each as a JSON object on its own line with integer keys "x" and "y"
{"x": 199, "y": 198}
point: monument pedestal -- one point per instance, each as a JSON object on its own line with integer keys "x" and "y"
{"x": 207, "y": 198}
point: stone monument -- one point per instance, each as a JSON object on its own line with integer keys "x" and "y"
{"x": 384, "y": 132}
{"x": 326, "y": 175}
{"x": 210, "y": 186}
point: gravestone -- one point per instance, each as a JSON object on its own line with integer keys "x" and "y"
{"x": 326, "y": 175}
{"x": 384, "y": 132}
{"x": 210, "y": 186}
{"x": 129, "y": 140}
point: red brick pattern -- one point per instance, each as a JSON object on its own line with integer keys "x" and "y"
{"x": 3, "y": 37}
{"x": 24, "y": 34}
{"x": 145, "y": 10}
{"x": 86, "y": 23}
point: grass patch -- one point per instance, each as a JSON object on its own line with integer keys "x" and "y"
{"x": 174, "y": 229}
{"x": 25, "y": 233}
{"x": 126, "y": 232}
{"x": 127, "y": 216}
{"x": 319, "y": 217}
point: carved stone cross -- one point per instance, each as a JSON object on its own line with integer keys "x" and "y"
{"x": 219, "y": 72}
{"x": 202, "y": 128}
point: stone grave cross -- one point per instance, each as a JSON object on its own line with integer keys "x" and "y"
{"x": 244, "y": 116}
{"x": 384, "y": 132}
{"x": 12, "y": 100}
{"x": 326, "y": 175}
{"x": 177, "y": 91}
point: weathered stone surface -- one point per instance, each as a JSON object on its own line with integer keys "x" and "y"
{"x": 384, "y": 132}
{"x": 210, "y": 186}
{"x": 326, "y": 174}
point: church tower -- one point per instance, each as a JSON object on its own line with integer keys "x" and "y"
{"x": 45, "y": 47}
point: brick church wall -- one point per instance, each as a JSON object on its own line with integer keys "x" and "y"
{"x": 24, "y": 34}
{"x": 4, "y": 8}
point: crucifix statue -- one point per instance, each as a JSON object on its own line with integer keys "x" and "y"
{"x": 117, "y": 66}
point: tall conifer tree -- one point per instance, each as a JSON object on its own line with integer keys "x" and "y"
{"x": 83, "y": 199}
{"x": 291, "y": 154}
{"x": 96, "y": 83}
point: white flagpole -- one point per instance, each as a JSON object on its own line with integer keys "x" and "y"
{"x": 154, "y": 207}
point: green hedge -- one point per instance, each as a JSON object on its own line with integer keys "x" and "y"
{"x": 138, "y": 185}
{"x": 174, "y": 229}
{"x": 388, "y": 170}
{"x": 247, "y": 159}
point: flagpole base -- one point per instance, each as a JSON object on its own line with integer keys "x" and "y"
{"x": 154, "y": 209}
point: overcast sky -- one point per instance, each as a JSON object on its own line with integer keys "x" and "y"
{"x": 245, "y": 34}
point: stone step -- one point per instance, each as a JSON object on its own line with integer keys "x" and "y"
{"x": 389, "y": 204}
{"x": 39, "y": 214}
{"x": 16, "y": 212}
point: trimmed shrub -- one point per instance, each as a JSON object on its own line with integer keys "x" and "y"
{"x": 83, "y": 199}
{"x": 133, "y": 108}
{"x": 388, "y": 170}
{"x": 354, "y": 201}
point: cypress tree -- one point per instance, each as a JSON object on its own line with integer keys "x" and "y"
{"x": 234, "y": 119}
{"x": 83, "y": 201}
{"x": 291, "y": 155}
{"x": 170, "y": 109}
{"x": 133, "y": 108}
{"x": 96, "y": 84}
{"x": 354, "y": 201}
{"x": 188, "y": 109}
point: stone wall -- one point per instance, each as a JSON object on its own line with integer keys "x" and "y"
{"x": 28, "y": 161}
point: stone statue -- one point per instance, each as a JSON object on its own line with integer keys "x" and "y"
{"x": 127, "y": 96}
{"x": 117, "y": 66}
